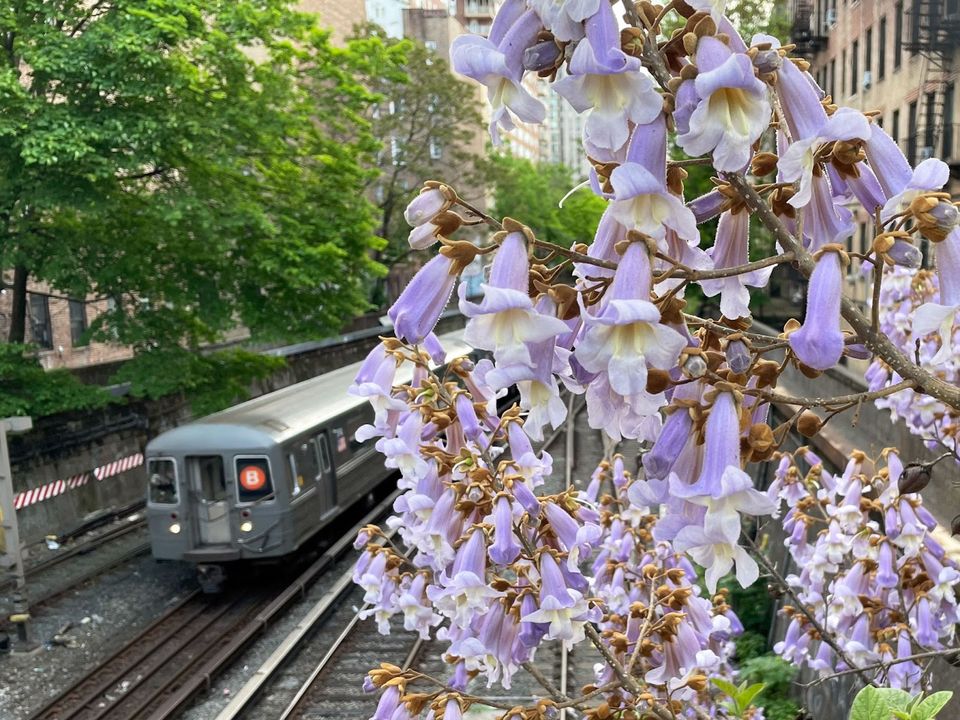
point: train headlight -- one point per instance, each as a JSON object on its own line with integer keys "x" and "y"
{"x": 175, "y": 528}
{"x": 246, "y": 526}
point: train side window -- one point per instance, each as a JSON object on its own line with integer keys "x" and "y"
{"x": 303, "y": 466}
{"x": 359, "y": 417}
{"x": 253, "y": 479}
{"x": 162, "y": 473}
{"x": 321, "y": 441}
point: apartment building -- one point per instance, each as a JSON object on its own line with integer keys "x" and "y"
{"x": 56, "y": 325}
{"x": 900, "y": 58}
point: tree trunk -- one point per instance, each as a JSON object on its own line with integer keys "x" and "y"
{"x": 18, "y": 312}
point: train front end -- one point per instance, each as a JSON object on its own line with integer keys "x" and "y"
{"x": 212, "y": 504}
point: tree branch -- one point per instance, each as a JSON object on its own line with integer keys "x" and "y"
{"x": 875, "y": 341}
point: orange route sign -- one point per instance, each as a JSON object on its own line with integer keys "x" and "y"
{"x": 252, "y": 478}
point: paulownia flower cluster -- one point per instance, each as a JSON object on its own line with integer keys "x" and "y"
{"x": 494, "y": 556}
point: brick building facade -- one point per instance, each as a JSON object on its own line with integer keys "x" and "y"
{"x": 899, "y": 58}
{"x": 57, "y": 326}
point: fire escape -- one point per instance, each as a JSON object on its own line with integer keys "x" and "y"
{"x": 934, "y": 33}
{"x": 807, "y": 29}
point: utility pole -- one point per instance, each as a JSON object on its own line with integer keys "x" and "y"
{"x": 11, "y": 555}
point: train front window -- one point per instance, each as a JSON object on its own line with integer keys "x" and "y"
{"x": 253, "y": 479}
{"x": 162, "y": 476}
{"x": 207, "y": 474}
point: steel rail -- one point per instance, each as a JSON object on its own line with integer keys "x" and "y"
{"x": 202, "y": 678}
{"x": 204, "y": 657}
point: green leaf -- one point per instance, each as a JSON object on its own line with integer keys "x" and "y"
{"x": 745, "y": 697}
{"x": 930, "y": 706}
{"x": 895, "y": 699}
{"x": 726, "y": 686}
{"x": 869, "y": 704}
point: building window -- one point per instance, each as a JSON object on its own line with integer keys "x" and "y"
{"x": 843, "y": 73}
{"x": 948, "y": 99}
{"x": 855, "y": 67}
{"x": 833, "y": 77}
{"x": 915, "y": 27}
{"x": 898, "y": 36}
{"x": 40, "y": 321}
{"x": 436, "y": 151}
{"x": 895, "y": 127}
{"x": 78, "y": 322}
{"x": 882, "y": 49}
{"x": 912, "y": 132}
{"x": 867, "y": 58}
{"x": 929, "y": 124}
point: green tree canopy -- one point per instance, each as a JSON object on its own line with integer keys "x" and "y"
{"x": 200, "y": 162}
{"x": 429, "y": 123}
{"x": 522, "y": 189}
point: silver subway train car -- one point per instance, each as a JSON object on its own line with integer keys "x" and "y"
{"x": 258, "y": 480}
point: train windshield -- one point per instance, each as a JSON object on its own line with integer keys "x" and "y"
{"x": 163, "y": 481}
{"x": 207, "y": 472}
{"x": 253, "y": 479}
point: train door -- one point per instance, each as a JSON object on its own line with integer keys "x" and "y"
{"x": 213, "y": 506}
{"x": 328, "y": 481}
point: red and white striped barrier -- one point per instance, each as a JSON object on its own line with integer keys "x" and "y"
{"x": 58, "y": 487}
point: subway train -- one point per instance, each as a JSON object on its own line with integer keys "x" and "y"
{"x": 258, "y": 480}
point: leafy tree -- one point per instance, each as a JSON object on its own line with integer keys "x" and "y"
{"x": 27, "y": 389}
{"x": 429, "y": 124}
{"x": 532, "y": 192}
{"x": 201, "y": 162}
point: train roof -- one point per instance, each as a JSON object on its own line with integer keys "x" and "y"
{"x": 282, "y": 414}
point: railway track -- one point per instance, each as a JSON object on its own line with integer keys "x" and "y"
{"x": 332, "y": 688}
{"x": 157, "y": 673}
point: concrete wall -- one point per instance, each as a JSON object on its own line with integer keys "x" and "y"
{"x": 63, "y": 446}
{"x": 872, "y": 432}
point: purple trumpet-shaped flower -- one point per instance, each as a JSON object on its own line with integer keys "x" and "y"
{"x": 500, "y": 68}
{"x": 799, "y": 162}
{"x": 403, "y": 450}
{"x": 732, "y": 109}
{"x": 708, "y": 206}
{"x": 574, "y": 538}
{"x": 929, "y": 176}
{"x": 610, "y": 84}
{"x": 886, "y": 571}
{"x": 534, "y": 469}
{"x": 642, "y": 201}
{"x": 800, "y": 102}
{"x": 505, "y": 548}
{"x": 374, "y": 381}
{"x": 464, "y": 592}
{"x": 467, "y": 415}
{"x": 531, "y": 633}
{"x": 565, "y": 18}
{"x": 537, "y": 383}
{"x": 681, "y": 656}
{"x": 388, "y": 704}
{"x": 416, "y": 312}
{"x": 941, "y": 317}
{"x": 924, "y": 629}
{"x": 564, "y": 609}
{"x": 730, "y": 250}
{"x": 505, "y": 320}
{"x": 819, "y": 342}
{"x": 626, "y": 335}
{"x": 426, "y": 206}
{"x": 904, "y": 675}
{"x": 413, "y": 603}
{"x": 723, "y": 487}
{"x": 718, "y": 555}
